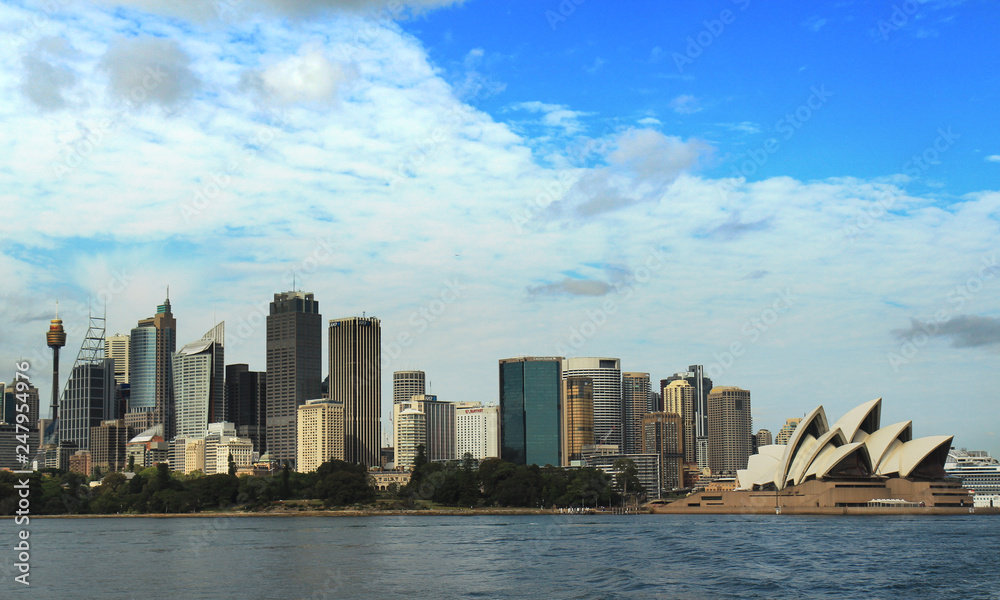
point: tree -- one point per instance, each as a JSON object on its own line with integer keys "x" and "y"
{"x": 131, "y": 463}
{"x": 627, "y": 477}
{"x": 232, "y": 464}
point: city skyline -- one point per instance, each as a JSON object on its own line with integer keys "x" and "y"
{"x": 654, "y": 185}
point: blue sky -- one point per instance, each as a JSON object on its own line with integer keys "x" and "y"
{"x": 802, "y": 198}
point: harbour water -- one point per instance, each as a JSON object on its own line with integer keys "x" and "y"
{"x": 510, "y": 557}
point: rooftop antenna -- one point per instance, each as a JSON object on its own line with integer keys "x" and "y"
{"x": 293, "y": 282}
{"x": 168, "y": 292}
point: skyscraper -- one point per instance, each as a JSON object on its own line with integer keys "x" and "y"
{"x": 440, "y": 418}
{"x": 764, "y": 438}
{"x": 695, "y": 375}
{"x": 246, "y": 403}
{"x": 116, "y": 347}
{"x": 635, "y": 405}
{"x": 786, "y": 431}
{"x": 320, "y": 434}
{"x": 89, "y": 395}
{"x": 151, "y": 348}
{"x": 294, "y": 356}
{"x": 355, "y": 380}
{"x": 730, "y": 430}
{"x": 662, "y": 435}
{"x": 530, "y": 407}
{"x": 477, "y": 430}
{"x": 406, "y": 385}
{"x": 607, "y": 376}
{"x": 578, "y": 417}
{"x": 199, "y": 386}
{"x": 678, "y": 398}
{"x": 107, "y": 444}
{"x": 409, "y": 432}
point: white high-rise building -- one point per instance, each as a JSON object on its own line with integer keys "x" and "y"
{"x": 199, "y": 384}
{"x": 116, "y": 348}
{"x": 477, "y": 430}
{"x": 407, "y": 384}
{"x": 607, "y": 376}
{"x": 409, "y": 431}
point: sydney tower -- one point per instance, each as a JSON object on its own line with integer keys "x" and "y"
{"x": 56, "y": 339}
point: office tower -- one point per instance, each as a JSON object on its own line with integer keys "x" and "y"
{"x": 786, "y": 431}
{"x": 355, "y": 381}
{"x": 320, "y": 431}
{"x": 655, "y": 401}
{"x": 530, "y": 407}
{"x": 729, "y": 430}
{"x": 763, "y": 438}
{"x": 578, "y": 417}
{"x": 199, "y": 384}
{"x": 152, "y": 344}
{"x": 246, "y": 403}
{"x": 409, "y": 433}
{"x": 220, "y": 440}
{"x": 56, "y": 339}
{"x": 116, "y": 347}
{"x": 11, "y": 398}
{"x": 108, "y": 442}
{"x": 477, "y": 430}
{"x": 89, "y": 395}
{"x": 678, "y": 398}
{"x": 635, "y": 404}
{"x": 607, "y": 376}
{"x": 294, "y": 354}
{"x": 440, "y": 418}
{"x": 662, "y": 434}
{"x": 695, "y": 375}
{"x": 407, "y": 384}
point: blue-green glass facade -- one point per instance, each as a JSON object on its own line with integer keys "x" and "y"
{"x": 530, "y": 407}
{"x": 142, "y": 368}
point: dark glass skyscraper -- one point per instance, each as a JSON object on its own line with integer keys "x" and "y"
{"x": 294, "y": 356}
{"x": 530, "y": 410}
{"x": 246, "y": 403}
{"x": 88, "y": 397}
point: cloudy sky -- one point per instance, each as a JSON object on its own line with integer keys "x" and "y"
{"x": 803, "y": 199}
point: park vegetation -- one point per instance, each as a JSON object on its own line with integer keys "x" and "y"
{"x": 495, "y": 483}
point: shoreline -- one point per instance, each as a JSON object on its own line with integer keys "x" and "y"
{"x": 436, "y": 512}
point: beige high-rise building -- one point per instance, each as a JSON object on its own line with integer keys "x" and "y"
{"x": 320, "y": 430}
{"x": 578, "y": 417}
{"x": 786, "y": 431}
{"x": 107, "y": 444}
{"x": 355, "y": 382}
{"x": 662, "y": 434}
{"x": 764, "y": 438}
{"x": 409, "y": 432}
{"x": 407, "y": 384}
{"x": 194, "y": 456}
{"x": 116, "y": 348}
{"x": 635, "y": 405}
{"x": 729, "y": 430}
{"x": 679, "y": 398}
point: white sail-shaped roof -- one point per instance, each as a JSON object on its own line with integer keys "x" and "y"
{"x": 861, "y": 420}
{"x": 813, "y": 425}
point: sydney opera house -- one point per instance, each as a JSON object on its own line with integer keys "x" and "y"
{"x": 854, "y": 466}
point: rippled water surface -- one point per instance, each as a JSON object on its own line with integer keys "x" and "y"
{"x": 586, "y": 557}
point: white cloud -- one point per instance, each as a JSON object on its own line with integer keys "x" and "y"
{"x": 685, "y": 104}
{"x": 311, "y": 77}
{"x": 206, "y": 10}
{"x": 993, "y": 158}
